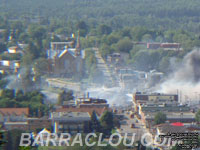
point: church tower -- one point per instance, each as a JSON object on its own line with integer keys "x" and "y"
{"x": 78, "y": 46}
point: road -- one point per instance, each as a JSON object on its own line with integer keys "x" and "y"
{"x": 126, "y": 127}
{"x": 102, "y": 66}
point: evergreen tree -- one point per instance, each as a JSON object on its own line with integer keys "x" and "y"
{"x": 107, "y": 122}
{"x": 95, "y": 125}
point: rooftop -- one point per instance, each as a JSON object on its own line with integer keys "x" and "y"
{"x": 14, "y": 111}
{"x": 168, "y": 128}
{"x": 174, "y": 115}
{"x": 99, "y": 111}
{"x": 70, "y": 116}
{"x": 154, "y": 94}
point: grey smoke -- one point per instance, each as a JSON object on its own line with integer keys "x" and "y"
{"x": 189, "y": 71}
{"x": 186, "y": 78}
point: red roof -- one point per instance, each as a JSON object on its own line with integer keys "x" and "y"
{"x": 179, "y": 124}
{"x": 14, "y": 111}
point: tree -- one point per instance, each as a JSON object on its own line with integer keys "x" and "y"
{"x": 2, "y": 138}
{"x": 27, "y": 81}
{"x": 19, "y": 95}
{"x": 82, "y": 27}
{"x": 104, "y": 29}
{"x": 41, "y": 66}
{"x": 107, "y": 122}
{"x": 3, "y": 47}
{"x": 160, "y": 118}
{"x": 124, "y": 45}
{"x": 65, "y": 96}
{"x": 197, "y": 116}
{"x": 95, "y": 125}
{"x": 8, "y": 93}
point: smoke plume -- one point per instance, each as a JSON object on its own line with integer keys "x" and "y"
{"x": 185, "y": 79}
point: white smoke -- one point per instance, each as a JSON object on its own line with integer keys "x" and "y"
{"x": 114, "y": 96}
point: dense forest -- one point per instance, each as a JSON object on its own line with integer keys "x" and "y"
{"x": 116, "y": 13}
{"x": 111, "y": 25}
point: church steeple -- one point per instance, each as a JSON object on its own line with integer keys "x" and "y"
{"x": 78, "y": 45}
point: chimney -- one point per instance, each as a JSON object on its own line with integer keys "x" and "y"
{"x": 88, "y": 95}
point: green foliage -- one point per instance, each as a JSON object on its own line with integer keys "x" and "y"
{"x": 197, "y": 116}
{"x": 3, "y": 83}
{"x": 2, "y": 138}
{"x": 107, "y": 122}
{"x": 3, "y": 47}
{"x": 34, "y": 100}
{"x": 93, "y": 73}
{"x": 160, "y": 118}
{"x": 104, "y": 29}
{"x": 124, "y": 45}
{"x": 95, "y": 124}
{"x": 8, "y": 93}
{"x": 40, "y": 66}
{"x": 82, "y": 27}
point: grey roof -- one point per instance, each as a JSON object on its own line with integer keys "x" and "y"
{"x": 165, "y": 107}
{"x": 70, "y": 116}
{"x": 167, "y": 128}
{"x": 183, "y": 115}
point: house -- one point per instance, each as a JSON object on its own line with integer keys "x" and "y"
{"x": 70, "y": 122}
{"x": 9, "y": 65}
{"x": 14, "y": 50}
{"x": 117, "y": 58}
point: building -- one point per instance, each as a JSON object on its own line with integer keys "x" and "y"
{"x": 34, "y": 124}
{"x": 117, "y": 59}
{"x": 173, "y": 111}
{"x": 172, "y": 131}
{"x": 66, "y": 61}
{"x": 153, "y": 45}
{"x": 142, "y": 97}
{"x": 98, "y": 110}
{"x": 70, "y": 122}
{"x": 172, "y": 117}
{"x": 9, "y": 66}
{"x": 163, "y": 129}
{"x": 162, "y": 107}
{"x": 14, "y": 118}
{"x": 165, "y": 46}
{"x": 88, "y": 102}
{"x": 14, "y": 50}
